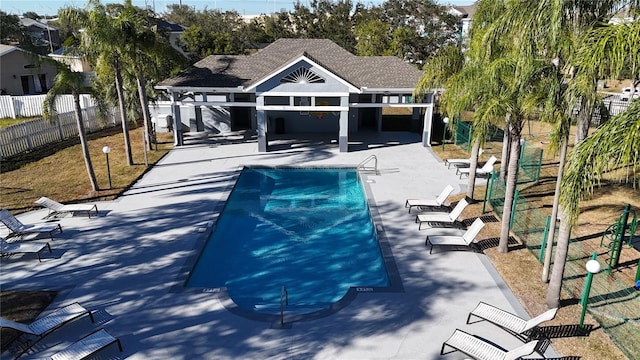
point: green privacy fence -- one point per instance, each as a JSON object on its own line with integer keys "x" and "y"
{"x": 527, "y": 222}
{"x": 530, "y": 163}
{"x": 463, "y": 135}
{"x": 614, "y": 302}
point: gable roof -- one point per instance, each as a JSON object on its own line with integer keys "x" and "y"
{"x": 7, "y": 49}
{"x": 163, "y": 24}
{"x": 467, "y": 11}
{"x": 26, "y": 22}
{"x": 245, "y": 70}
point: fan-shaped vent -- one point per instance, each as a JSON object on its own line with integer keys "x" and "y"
{"x": 302, "y": 76}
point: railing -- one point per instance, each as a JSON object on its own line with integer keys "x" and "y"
{"x": 284, "y": 300}
{"x": 362, "y": 166}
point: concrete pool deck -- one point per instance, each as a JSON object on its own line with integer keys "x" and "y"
{"x": 128, "y": 264}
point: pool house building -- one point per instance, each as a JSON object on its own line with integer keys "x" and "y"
{"x": 294, "y": 87}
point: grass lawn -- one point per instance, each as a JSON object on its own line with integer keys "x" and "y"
{"x": 8, "y": 122}
{"x": 59, "y": 173}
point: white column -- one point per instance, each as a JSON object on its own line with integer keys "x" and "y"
{"x": 177, "y": 123}
{"x": 262, "y": 125}
{"x": 428, "y": 122}
{"x": 343, "y": 138}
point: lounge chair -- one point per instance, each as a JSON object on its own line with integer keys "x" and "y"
{"x": 45, "y": 325}
{"x": 460, "y": 162}
{"x": 481, "y": 349}
{"x": 17, "y": 228}
{"x": 439, "y": 201}
{"x": 521, "y": 328}
{"x": 86, "y": 346}
{"x": 23, "y": 248}
{"x": 440, "y": 217}
{"x": 487, "y": 168}
{"x": 57, "y": 209}
{"x": 464, "y": 240}
{"x": 457, "y": 162}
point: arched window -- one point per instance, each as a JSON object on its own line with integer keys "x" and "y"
{"x": 302, "y": 75}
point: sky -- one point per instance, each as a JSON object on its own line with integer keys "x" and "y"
{"x": 244, "y": 7}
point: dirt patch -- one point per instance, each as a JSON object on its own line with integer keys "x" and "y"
{"x": 23, "y": 307}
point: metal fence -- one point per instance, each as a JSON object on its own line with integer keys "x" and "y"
{"x": 463, "y": 134}
{"x": 613, "y": 302}
{"x": 530, "y": 163}
{"x": 29, "y": 135}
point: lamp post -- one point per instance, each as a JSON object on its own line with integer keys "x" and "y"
{"x": 106, "y": 150}
{"x": 593, "y": 267}
{"x": 444, "y": 133}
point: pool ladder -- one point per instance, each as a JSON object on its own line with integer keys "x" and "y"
{"x": 284, "y": 300}
{"x": 362, "y": 166}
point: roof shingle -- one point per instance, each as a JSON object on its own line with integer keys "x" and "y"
{"x": 245, "y": 70}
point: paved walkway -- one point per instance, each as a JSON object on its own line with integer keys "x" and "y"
{"x": 129, "y": 264}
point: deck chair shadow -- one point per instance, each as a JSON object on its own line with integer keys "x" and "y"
{"x": 481, "y": 349}
{"x": 517, "y": 326}
{"x": 487, "y": 168}
{"x": 57, "y": 209}
{"x": 465, "y": 239}
{"x": 45, "y": 325}
{"x": 441, "y": 217}
{"x": 7, "y": 248}
{"x": 437, "y": 202}
{"x": 17, "y": 228}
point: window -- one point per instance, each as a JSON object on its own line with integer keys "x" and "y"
{"x": 302, "y": 76}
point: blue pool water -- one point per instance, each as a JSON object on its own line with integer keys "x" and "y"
{"x": 309, "y": 230}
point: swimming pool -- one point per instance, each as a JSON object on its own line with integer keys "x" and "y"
{"x": 309, "y": 230}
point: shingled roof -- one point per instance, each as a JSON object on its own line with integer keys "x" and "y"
{"x": 245, "y": 70}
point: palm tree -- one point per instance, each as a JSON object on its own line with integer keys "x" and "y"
{"x": 608, "y": 50}
{"x": 447, "y": 69}
{"x": 102, "y": 42}
{"x": 65, "y": 82}
{"x": 145, "y": 49}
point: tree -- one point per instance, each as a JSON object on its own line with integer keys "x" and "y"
{"x": 65, "y": 82}
{"x": 31, "y": 15}
{"x": 102, "y": 42}
{"x": 144, "y": 46}
{"x": 607, "y": 50}
{"x": 420, "y": 27}
{"x": 464, "y": 84}
{"x": 10, "y": 28}
{"x": 372, "y": 38}
{"x": 277, "y": 26}
{"x": 325, "y": 19}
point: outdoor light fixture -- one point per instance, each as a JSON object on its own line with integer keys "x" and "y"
{"x": 444, "y": 133}
{"x": 106, "y": 150}
{"x": 593, "y": 267}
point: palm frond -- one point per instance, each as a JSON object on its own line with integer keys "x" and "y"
{"x": 613, "y": 145}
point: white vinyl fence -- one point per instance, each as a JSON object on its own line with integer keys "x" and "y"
{"x": 32, "y": 134}
{"x": 31, "y": 105}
